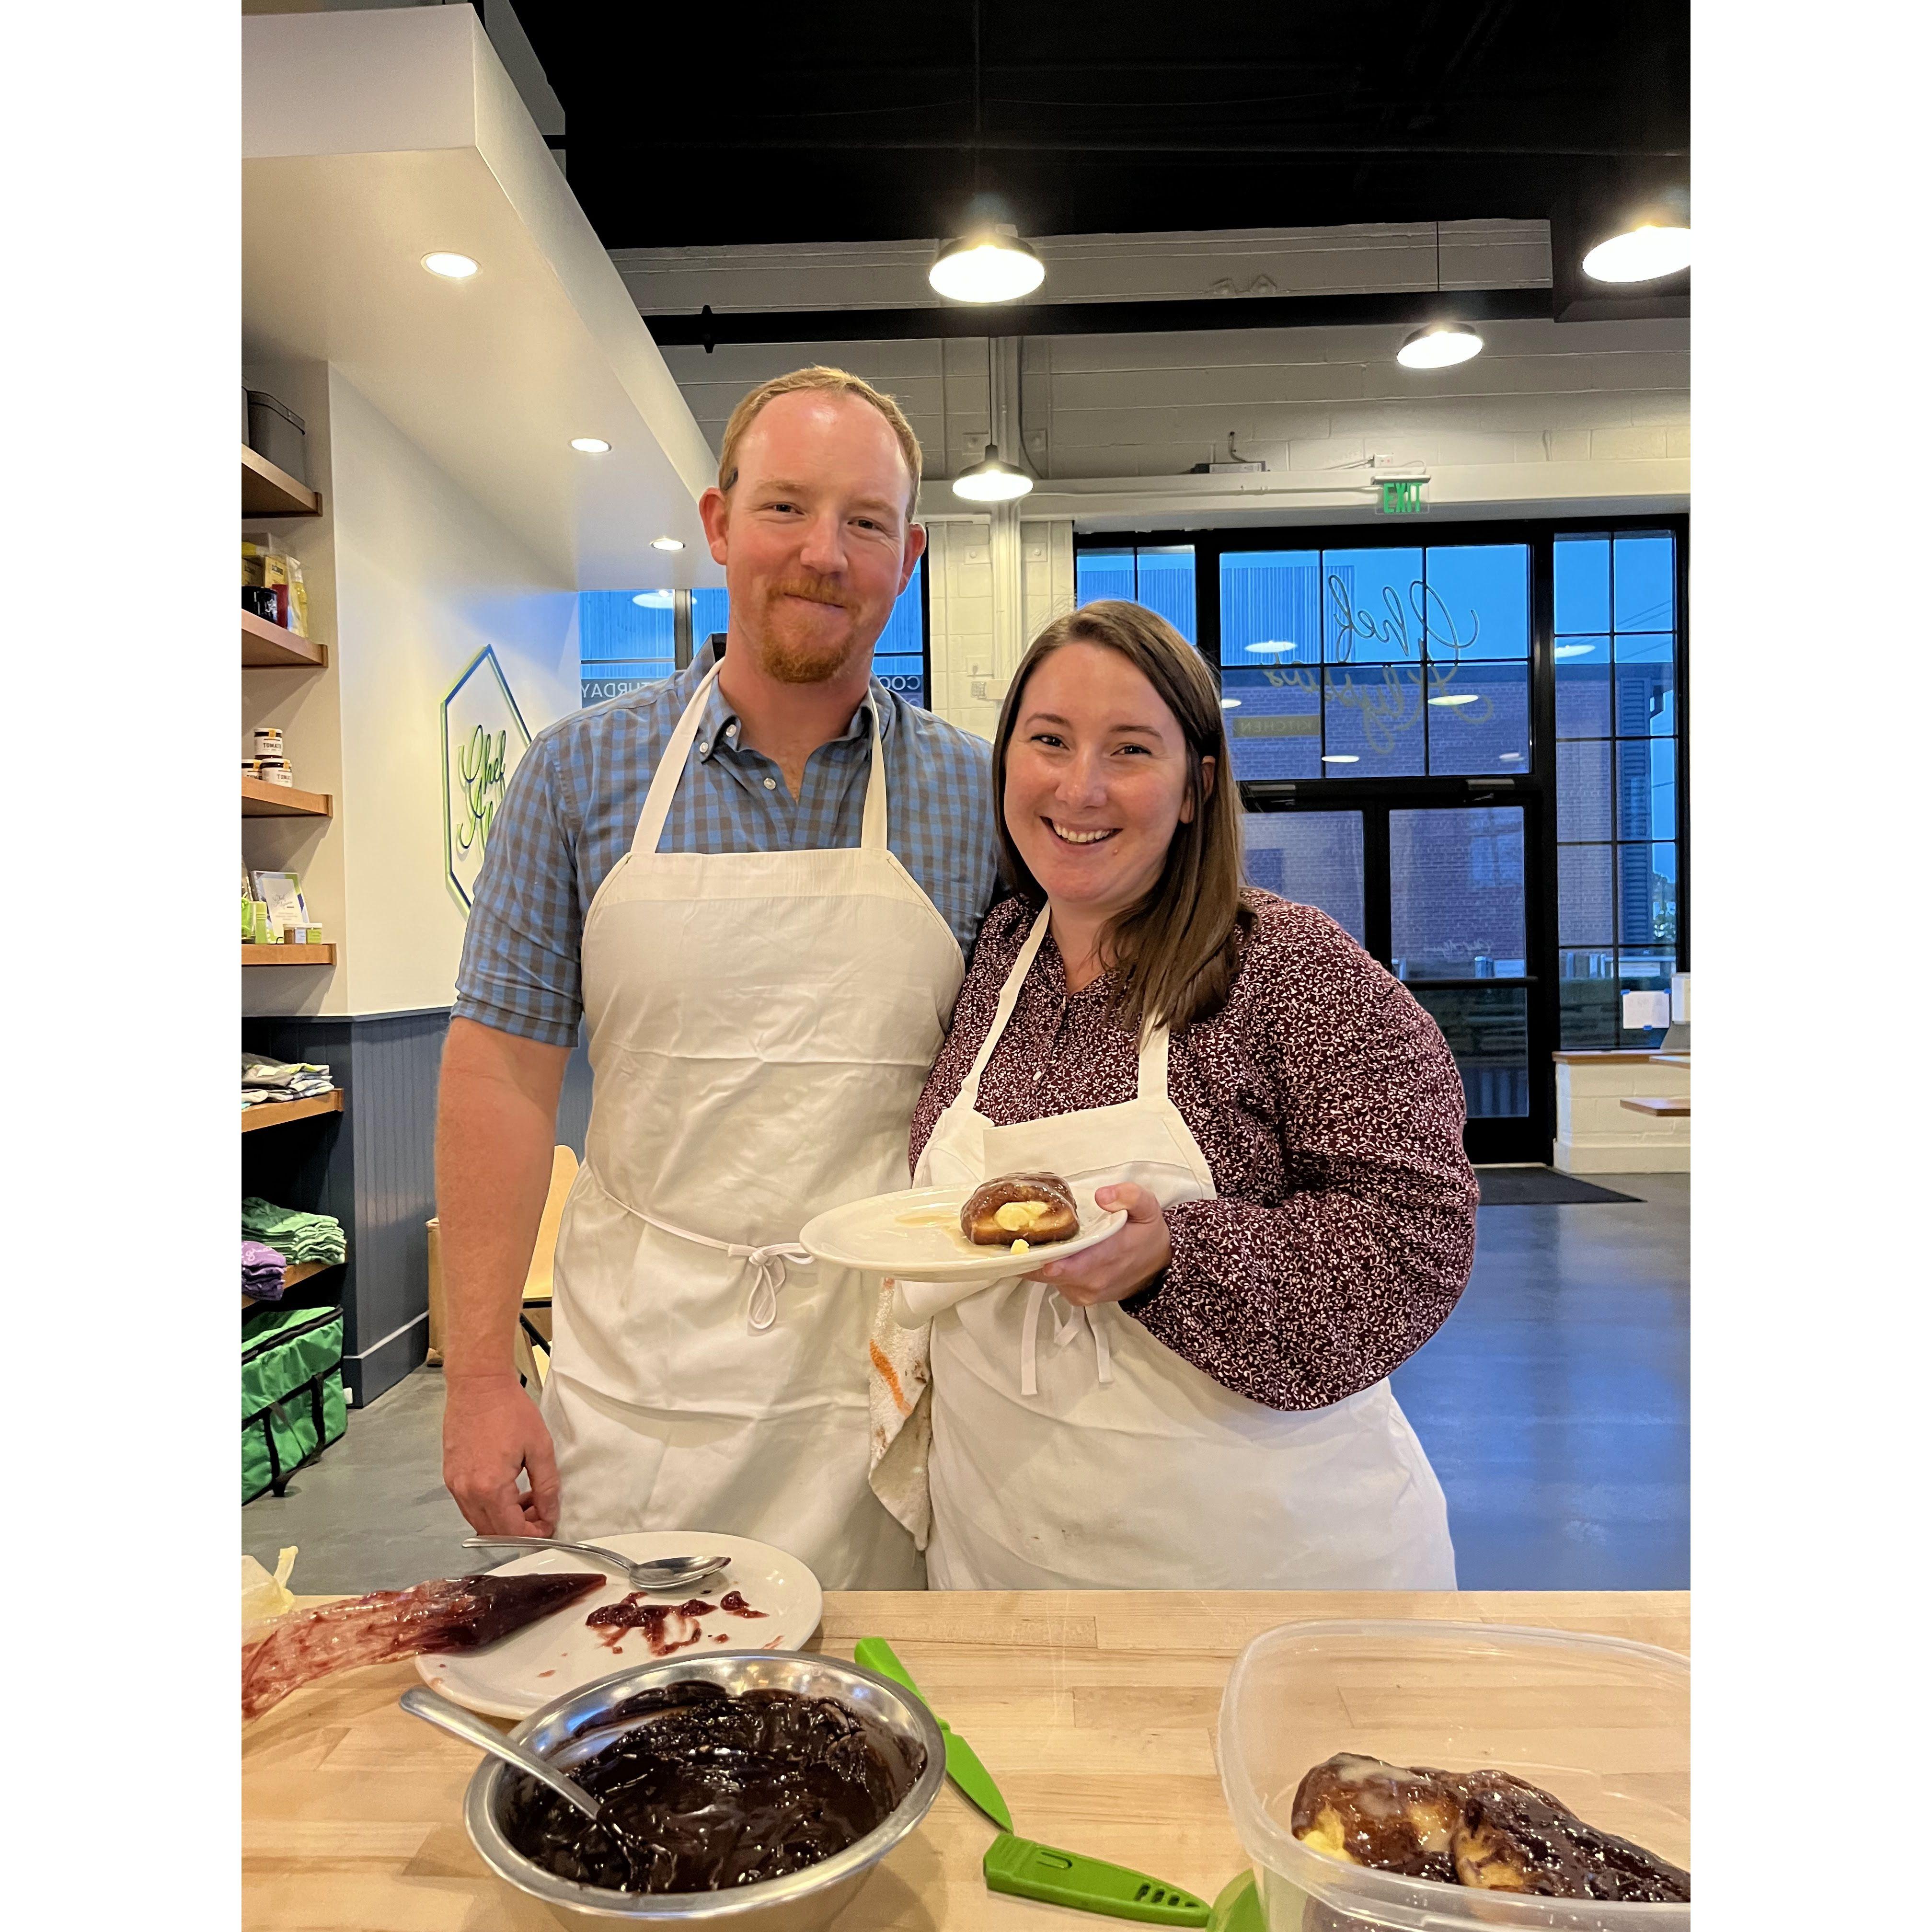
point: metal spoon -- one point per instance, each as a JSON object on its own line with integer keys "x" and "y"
{"x": 656, "y": 1573}
{"x": 425, "y": 1703}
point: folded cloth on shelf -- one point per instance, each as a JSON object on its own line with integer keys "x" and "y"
{"x": 299, "y": 1237}
{"x": 265, "y": 1079}
{"x": 263, "y": 1269}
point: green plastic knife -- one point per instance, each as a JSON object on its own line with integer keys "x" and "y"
{"x": 1044, "y": 1872}
{"x": 962, "y": 1762}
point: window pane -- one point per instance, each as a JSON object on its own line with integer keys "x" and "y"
{"x": 1372, "y": 605}
{"x": 1486, "y": 728}
{"x": 1587, "y": 998}
{"x": 1584, "y": 914}
{"x": 1647, "y": 788}
{"x": 1477, "y": 601}
{"x": 710, "y": 610}
{"x": 1102, "y": 573}
{"x": 1456, "y": 906}
{"x": 1582, "y": 566}
{"x": 1646, "y": 583}
{"x": 1637, "y": 975}
{"x": 1487, "y": 1028}
{"x": 1583, "y": 687}
{"x": 898, "y": 658}
{"x": 1583, "y": 791}
{"x": 1314, "y": 857}
{"x": 1165, "y": 580}
{"x": 1646, "y": 700}
{"x": 1646, "y": 894}
{"x": 1271, "y": 607}
{"x": 1274, "y": 722}
{"x": 626, "y": 639}
{"x": 1374, "y": 720}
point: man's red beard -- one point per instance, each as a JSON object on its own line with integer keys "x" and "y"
{"x": 793, "y": 660}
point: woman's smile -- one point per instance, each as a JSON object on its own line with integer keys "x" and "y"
{"x": 1070, "y": 835}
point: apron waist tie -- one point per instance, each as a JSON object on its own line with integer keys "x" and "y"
{"x": 768, "y": 1264}
{"x": 1063, "y": 1332}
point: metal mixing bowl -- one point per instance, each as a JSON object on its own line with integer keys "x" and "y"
{"x": 577, "y": 1726}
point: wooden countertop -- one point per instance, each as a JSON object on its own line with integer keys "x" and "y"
{"x": 1095, "y": 1710}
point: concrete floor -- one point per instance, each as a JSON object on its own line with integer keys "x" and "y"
{"x": 1554, "y": 1404}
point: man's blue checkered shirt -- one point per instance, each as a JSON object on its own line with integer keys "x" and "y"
{"x": 572, "y": 808}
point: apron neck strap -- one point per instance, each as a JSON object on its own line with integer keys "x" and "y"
{"x": 1153, "y": 1058}
{"x": 1010, "y": 993}
{"x": 671, "y": 769}
{"x": 651, "y": 821}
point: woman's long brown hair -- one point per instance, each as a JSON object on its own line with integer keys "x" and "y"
{"x": 1174, "y": 953}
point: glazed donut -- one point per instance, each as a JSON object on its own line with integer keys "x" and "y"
{"x": 1029, "y": 1208}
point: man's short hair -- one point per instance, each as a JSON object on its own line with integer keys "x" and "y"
{"x": 832, "y": 381}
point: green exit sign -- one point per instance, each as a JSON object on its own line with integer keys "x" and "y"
{"x": 1402, "y": 496}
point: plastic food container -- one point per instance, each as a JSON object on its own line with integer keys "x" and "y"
{"x": 1603, "y": 1725}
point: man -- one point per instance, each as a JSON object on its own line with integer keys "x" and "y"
{"x": 758, "y": 882}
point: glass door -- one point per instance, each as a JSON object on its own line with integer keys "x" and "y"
{"x": 1442, "y": 894}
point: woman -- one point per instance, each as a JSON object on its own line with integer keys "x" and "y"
{"x": 1201, "y": 1399}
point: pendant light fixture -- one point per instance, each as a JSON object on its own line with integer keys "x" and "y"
{"x": 1642, "y": 254}
{"x": 990, "y": 481}
{"x": 1438, "y": 345}
{"x": 989, "y": 263}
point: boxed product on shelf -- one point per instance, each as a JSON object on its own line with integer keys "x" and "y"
{"x": 276, "y": 432}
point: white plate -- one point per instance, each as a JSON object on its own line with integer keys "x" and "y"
{"x": 916, "y": 1233}
{"x": 559, "y": 1653}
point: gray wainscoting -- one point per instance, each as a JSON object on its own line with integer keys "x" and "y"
{"x": 373, "y": 1166}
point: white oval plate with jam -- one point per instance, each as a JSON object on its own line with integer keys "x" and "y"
{"x": 916, "y": 1233}
{"x": 778, "y": 1605}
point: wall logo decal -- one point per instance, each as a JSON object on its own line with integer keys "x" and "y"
{"x": 484, "y": 741}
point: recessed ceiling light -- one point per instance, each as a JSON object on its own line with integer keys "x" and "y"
{"x": 452, "y": 268}
{"x": 991, "y": 264}
{"x": 1339, "y": 758}
{"x": 1511, "y": 757}
{"x": 1266, "y": 645}
{"x": 1458, "y": 697}
{"x": 1574, "y": 650}
{"x": 667, "y": 543}
{"x": 992, "y": 481}
{"x": 1441, "y": 346}
{"x": 653, "y": 600}
{"x": 591, "y": 445}
{"x": 1231, "y": 704}
{"x": 1640, "y": 254}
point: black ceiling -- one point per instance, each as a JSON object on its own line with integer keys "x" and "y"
{"x": 836, "y": 122}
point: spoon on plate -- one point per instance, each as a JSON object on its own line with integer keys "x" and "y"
{"x": 654, "y": 1574}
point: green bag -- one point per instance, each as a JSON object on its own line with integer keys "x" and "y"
{"x": 292, "y": 1406}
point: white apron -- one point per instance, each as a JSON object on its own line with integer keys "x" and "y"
{"x": 1071, "y": 1450}
{"x": 761, "y": 1023}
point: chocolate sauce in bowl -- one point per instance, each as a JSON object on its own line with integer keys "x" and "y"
{"x": 713, "y": 1790}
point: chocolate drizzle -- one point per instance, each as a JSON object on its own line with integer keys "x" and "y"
{"x": 667, "y": 1626}
{"x": 713, "y": 1791}
{"x": 1483, "y": 1829}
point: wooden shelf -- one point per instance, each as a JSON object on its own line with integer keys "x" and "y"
{"x": 267, "y": 491}
{"x": 267, "y": 646}
{"x": 323, "y": 955}
{"x": 260, "y": 799}
{"x": 300, "y": 1271}
{"x": 278, "y": 1113}
{"x": 1666, "y": 1106}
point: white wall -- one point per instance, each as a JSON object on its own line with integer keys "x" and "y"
{"x": 1606, "y": 396}
{"x": 1549, "y": 418}
{"x": 409, "y": 579}
{"x": 425, "y": 579}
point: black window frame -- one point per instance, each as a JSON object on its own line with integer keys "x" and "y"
{"x": 1374, "y": 797}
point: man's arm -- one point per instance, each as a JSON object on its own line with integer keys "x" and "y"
{"x": 496, "y": 1132}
